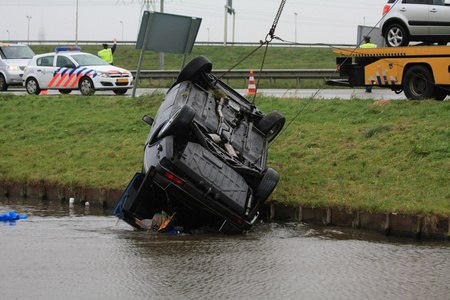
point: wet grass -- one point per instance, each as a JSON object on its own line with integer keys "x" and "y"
{"x": 375, "y": 156}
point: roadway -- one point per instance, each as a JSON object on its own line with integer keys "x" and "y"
{"x": 377, "y": 94}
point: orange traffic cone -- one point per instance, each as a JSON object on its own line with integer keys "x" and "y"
{"x": 44, "y": 92}
{"x": 251, "y": 85}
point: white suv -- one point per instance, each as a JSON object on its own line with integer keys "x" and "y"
{"x": 13, "y": 59}
{"x": 416, "y": 20}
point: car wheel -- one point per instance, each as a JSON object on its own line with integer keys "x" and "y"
{"x": 396, "y": 36}
{"x": 3, "y": 85}
{"x": 267, "y": 184}
{"x": 271, "y": 124}
{"x": 418, "y": 83}
{"x": 32, "y": 86}
{"x": 86, "y": 86}
{"x": 65, "y": 92}
{"x": 198, "y": 65}
{"x": 120, "y": 91}
{"x": 178, "y": 123}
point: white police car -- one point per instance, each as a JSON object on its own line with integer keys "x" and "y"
{"x": 69, "y": 69}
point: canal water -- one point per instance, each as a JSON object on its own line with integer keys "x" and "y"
{"x": 64, "y": 251}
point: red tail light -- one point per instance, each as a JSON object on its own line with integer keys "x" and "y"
{"x": 386, "y": 9}
{"x": 173, "y": 178}
{"x": 236, "y": 219}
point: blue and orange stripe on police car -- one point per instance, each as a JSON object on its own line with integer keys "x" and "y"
{"x": 76, "y": 73}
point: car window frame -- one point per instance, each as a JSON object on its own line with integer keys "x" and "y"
{"x": 67, "y": 58}
{"x": 39, "y": 59}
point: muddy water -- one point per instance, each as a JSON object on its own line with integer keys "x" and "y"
{"x": 64, "y": 252}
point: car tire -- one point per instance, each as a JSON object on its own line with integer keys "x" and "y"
{"x": 267, "y": 184}
{"x": 178, "y": 122}
{"x": 271, "y": 124}
{"x": 86, "y": 86}
{"x": 198, "y": 65}
{"x": 120, "y": 91}
{"x": 418, "y": 83}
{"x": 396, "y": 36}
{"x": 65, "y": 92}
{"x": 32, "y": 86}
{"x": 3, "y": 84}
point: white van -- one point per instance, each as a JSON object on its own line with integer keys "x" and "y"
{"x": 13, "y": 60}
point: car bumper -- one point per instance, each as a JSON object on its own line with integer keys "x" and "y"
{"x": 14, "y": 78}
{"x": 113, "y": 83}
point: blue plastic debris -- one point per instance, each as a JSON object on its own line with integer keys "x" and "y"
{"x": 11, "y": 217}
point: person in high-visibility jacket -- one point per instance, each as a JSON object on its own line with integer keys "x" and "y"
{"x": 368, "y": 44}
{"x": 107, "y": 53}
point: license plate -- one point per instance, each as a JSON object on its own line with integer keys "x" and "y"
{"x": 122, "y": 80}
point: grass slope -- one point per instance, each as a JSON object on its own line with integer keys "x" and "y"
{"x": 375, "y": 156}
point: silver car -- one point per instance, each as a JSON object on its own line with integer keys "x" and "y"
{"x": 13, "y": 60}
{"x": 425, "y": 21}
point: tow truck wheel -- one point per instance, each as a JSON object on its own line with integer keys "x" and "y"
{"x": 86, "y": 86}
{"x": 418, "y": 83}
{"x": 178, "y": 123}
{"x": 65, "y": 92}
{"x": 267, "y": 184}
{"x": 271, "y": 124}
{"x": 396, "y": 36}
{"x": 3, "y": 85}
{"x": 32, "y": 86}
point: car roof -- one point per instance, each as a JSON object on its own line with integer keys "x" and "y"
{"x": 62, "y": 52}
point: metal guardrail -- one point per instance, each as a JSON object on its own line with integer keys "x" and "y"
{"x": 271, "y": 74}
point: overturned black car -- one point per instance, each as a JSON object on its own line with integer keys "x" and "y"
{"x": 204, "y": 159}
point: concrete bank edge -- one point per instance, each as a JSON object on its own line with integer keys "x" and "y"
{"x": 387, "y": 224}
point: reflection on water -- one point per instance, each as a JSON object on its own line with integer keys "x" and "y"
{"x": 77, "y": 252}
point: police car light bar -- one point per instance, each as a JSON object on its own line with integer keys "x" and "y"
{"x": 58, "y": 49}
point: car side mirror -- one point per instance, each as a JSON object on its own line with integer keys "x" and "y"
{"x": 147, "y": 119}
{"x": 70, "y": 66}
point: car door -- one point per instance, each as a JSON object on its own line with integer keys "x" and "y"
{"x": 440, "y": 17}
{"x": 416, "y": 12}
{"x": 61, "y": 74}
{"x": 44, "y": 70}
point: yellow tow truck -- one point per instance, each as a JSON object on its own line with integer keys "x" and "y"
{"x": 422, "y": 72}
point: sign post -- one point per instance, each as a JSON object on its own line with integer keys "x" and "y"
{"x": 161, "y": 32}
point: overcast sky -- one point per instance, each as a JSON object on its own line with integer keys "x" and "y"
{"x": 319, "y": 21}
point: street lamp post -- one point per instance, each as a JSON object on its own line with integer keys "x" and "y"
{"x": 28, "y": 17}
{"x": 122, "y": 29}
{"x": 295, "y": 27}
{"x": 76, "y": 26}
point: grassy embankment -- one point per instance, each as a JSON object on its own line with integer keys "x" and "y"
{"x": 375, "y": 156}
{"x": 224, "y": 58}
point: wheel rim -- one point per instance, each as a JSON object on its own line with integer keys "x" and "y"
{"x": 31, "y": 87}
{"x": 273, "y": 132}
{"x": 395, "y": 37}
{"x": 419, "y": 85}
{"x": 85, "y": 87}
